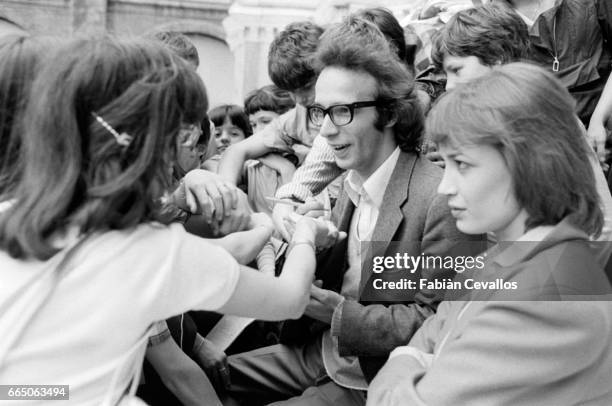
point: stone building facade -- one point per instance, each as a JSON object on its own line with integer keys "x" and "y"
{"x": 232, "y": 36}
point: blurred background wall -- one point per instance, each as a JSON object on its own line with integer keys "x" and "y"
{"x": 232, "y": 36}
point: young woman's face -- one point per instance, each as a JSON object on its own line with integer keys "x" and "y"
{"x": 260, "y": 119}
{"x": 480, "y": 192}
{"x": 227, "y": 134}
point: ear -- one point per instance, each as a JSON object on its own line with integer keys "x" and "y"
{"x": 390, "y": 119}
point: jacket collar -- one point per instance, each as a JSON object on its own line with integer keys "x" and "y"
{"x": 511, "y": 253}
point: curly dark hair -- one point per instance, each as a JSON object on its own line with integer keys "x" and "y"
{"x": 357, "y": 44}
{"x": 291, "y": 55}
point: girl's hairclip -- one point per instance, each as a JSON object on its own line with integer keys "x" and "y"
{"x": 123, "y": 139}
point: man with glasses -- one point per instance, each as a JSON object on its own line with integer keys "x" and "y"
{"x": 368, "y": 114}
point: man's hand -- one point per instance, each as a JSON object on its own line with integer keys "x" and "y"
{"x": 213, "y": 361}
{"x": 283, "y": 213}
{"x": 313, "y": 208}
{"x": 209, "y": 194}
{"x": 279, "y": 214}
{"x": 325, "y": 233}
{"x": 322, "y": 303}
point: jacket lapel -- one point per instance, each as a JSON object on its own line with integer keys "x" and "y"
{"x": 390, "y": 215}
{"x": 343, "y": 212}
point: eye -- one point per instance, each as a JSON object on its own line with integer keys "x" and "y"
{"x": 217, "y": 133}
{"x": 462, "y": 165}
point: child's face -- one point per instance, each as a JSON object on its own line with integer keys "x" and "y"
{"x": 463, "y": 69}
{"x": 227, "y": 134}
{"x": 261, "y": 119}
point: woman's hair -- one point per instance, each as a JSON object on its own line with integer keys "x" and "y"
{"x": 268, "y": 98}
{"x": 528, "y": 116}
{"x": 76, "y": 173}
{"x": 20, "y": 60}
{"x": 234, "y": 113}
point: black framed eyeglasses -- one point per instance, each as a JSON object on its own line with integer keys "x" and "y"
{"x": 340, "y": 114}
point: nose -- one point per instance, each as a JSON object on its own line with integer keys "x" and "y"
{"x": 225, "y": 137}
{"x": 328, "y": 129}
{"x": 450, "y": 82}
{"x": 447, "y": 185}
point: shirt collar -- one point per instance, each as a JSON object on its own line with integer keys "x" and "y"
{"x": 373, "y": 188}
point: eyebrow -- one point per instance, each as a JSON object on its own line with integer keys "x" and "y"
{"x": 336, "y": 103}
{"x": 451, "y": 154}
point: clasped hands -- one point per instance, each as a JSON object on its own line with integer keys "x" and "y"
{"x": 323, "y": 302}
{"x": 219, "y": 203}
{"x": 225, "y": 207}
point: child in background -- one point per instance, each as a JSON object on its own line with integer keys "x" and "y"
{"x": 179, "y": 44}
{"x": 265, "y": 104}
{"x": 269, "y": 172}
{"x": 231, "y": 126}
{"x": 290, "y": 68}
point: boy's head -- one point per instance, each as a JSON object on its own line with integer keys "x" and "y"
{"x": 389, "y": 26}
{"x": 290, "y": 60}
{"x": 179, "y": 44}
{"x": 477, "y": 39}
{"x": 265, "y": 104}
{"x": 231, "y": 125}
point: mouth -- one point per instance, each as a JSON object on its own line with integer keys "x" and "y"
{"x": 339, "y": 148}
{"x": 456, "y": 211}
